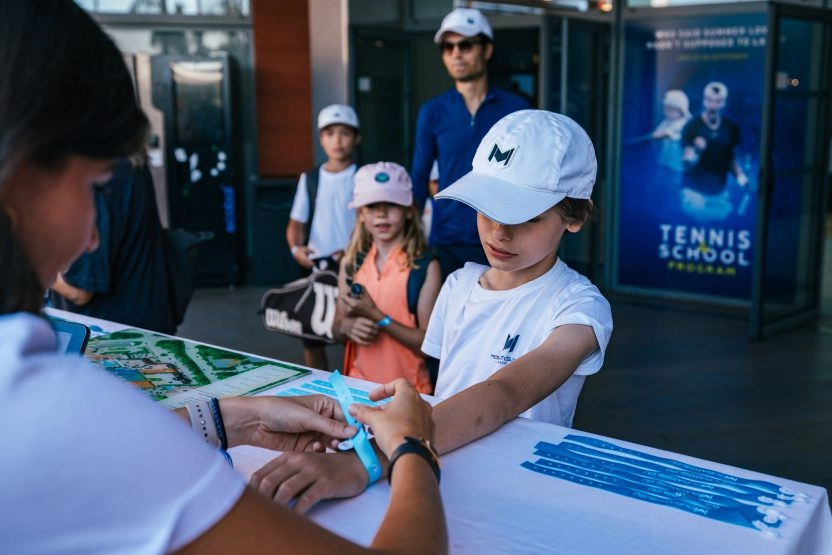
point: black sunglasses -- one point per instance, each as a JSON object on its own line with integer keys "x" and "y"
{"x": 465, "y": 45}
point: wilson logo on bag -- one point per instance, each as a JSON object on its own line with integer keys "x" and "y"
{"x": 303, "y": 308}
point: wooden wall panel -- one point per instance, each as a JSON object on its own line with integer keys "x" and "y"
{"x": 284, "y": 86}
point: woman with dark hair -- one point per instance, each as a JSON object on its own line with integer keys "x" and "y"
{"x": 89, "y": 464}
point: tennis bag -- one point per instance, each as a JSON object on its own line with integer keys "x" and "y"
{"x": 303, "y": 308}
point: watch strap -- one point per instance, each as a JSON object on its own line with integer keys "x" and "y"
{"x": 417, "y": 446}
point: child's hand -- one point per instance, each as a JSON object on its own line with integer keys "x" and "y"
{"x": 302, "y": 255}
{"x": 363, "y": 307}
{"x": 360, "y": 330}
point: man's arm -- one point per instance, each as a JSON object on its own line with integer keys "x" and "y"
{"x": 424, "y": 153}
{"x": 75, "y": 295}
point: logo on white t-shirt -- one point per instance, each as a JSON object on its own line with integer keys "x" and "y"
{"x": 510, "y": 344}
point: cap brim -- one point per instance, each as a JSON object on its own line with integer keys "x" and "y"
{"x": 400, "y": 200}
{"x": 461, "y": 30}
{"x": 500, "y": 200}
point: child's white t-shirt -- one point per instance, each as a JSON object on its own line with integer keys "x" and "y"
{"x": 332, "y": 222}
{"x": 475, "y": 331}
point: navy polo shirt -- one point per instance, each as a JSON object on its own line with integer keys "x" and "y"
{"x": 446, "y": 132}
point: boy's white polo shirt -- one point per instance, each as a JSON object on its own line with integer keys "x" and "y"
{"x": 490, "y": 329}
{"x": 332, "y": 222}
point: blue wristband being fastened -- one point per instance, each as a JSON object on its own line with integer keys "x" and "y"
{"x": 360, "y": 441}
{"x": 384, "y": 322}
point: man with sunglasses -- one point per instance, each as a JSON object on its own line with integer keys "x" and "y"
{"x": 449, "y": 130}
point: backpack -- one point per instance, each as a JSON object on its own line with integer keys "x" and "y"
{"x": 312, "y": 176}
{"x": 303, "y": 308}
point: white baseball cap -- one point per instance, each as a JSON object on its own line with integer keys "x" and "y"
{"x": 468, "y": 22}
{"x": 337, "y": 113}
{"x": 381, "y": 182}
{"x": 675, "y": 98}
{"x": 527, "y": 162}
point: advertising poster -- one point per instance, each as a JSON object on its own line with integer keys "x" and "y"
{"x": 692, "y": 109}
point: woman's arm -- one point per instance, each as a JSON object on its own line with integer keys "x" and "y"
{"x": 304, "y": 423}
{"x": 414, "y": 521}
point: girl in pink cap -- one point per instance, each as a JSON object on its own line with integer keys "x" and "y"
{"x": 383, "y": 323}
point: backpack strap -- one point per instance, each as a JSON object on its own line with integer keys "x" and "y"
{"x": 312, "y": 175}
{"x": 415, "y": 281}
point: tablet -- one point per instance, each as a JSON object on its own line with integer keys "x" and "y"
{"x": 72, "y": 336}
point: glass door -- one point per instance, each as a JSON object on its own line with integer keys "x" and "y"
{"x": 792, "y": 192}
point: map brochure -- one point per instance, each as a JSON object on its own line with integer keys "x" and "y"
{"x": 176, "y": 372}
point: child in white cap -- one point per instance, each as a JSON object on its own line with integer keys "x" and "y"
{"x": 382, "y": 322}
{"x": 676, "y": 107}
{"x": 519, "y": 337}
{"x": 320, "y": 222}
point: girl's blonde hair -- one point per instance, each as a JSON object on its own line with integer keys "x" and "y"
{"x": 413, "y": 240}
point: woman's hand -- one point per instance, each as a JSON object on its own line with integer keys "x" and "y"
{"x": 407, "y": 414}
{"x": 360, "y": 330}
{"x": 305, "y": 423}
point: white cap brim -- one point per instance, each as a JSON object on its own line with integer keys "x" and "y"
{"x": 469, "y": 31}
{"x": 502, "y": 201}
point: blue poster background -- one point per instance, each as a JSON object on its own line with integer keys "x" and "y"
{"x": 671, "y": 238}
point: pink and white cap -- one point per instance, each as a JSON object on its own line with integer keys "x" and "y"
{"x": 381, "y": 182}
{"x": 528, "y": 162}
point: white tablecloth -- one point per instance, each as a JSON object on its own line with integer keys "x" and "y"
{"x": 494, "y": 505}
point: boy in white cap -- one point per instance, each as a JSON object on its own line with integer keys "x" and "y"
{"x": 451, "y": 125}
{"x": 321, "y": 221}
{"x": 518, "y": 337}
{"x": 669, "y": 131}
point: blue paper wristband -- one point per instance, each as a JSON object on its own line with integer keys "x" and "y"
{"x": 386, "y": 321}
{"x": 360, "y": 441}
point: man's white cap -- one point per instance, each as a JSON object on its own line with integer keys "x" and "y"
{"x": 468, "y": 22}
{"x": 337, "y": 113}
{"x": 527, "y": 162}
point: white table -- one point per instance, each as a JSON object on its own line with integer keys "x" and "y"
{"x": 494, "y": 505}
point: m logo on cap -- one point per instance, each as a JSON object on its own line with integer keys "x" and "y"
{"x": 498, "y": 156}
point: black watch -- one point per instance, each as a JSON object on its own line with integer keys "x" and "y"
{"x": 418, "y": 446}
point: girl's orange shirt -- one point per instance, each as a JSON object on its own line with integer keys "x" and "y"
{"x": 386, "y": 359}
